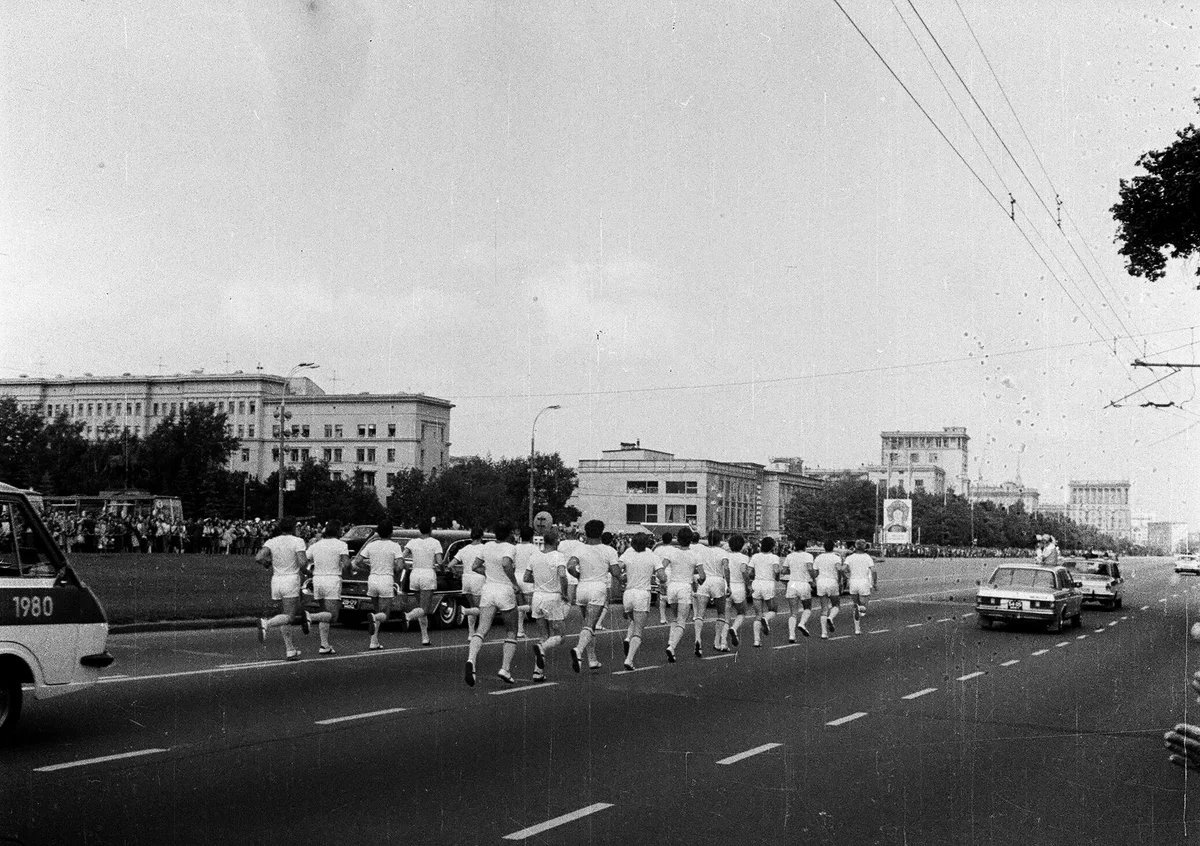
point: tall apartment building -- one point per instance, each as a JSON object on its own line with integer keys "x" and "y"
{"x": 901, "y": 453}
{"x": 366, "y": 436}
{"x": 1167, "y": 537}
{"x": 1102, "y": 505}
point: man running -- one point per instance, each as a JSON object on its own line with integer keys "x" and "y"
{"x": 382, "y": 556}
{"x": 828, "y": 565}
{"x": 499, "y": 596}
{"x": 682, "y": 568}
{"x": 523, "y": 551}
{"x": 546, "y": 579}
{"x": 668, "y": 540}
{"x": 423, "y": 558}
{"x": 591, "y": 561}
{"x": 862, "y": 580}
{"x": 641, "y": 566}
{"x": 799, "y": 587}
{"x": 737, "y": 566}
{"x": 714, "y": 589}
{"x": 329, "y": 557}
{"x": 285, "y": 555}
{"x": 764, "y": 564}
{"x": 472, "y": 582}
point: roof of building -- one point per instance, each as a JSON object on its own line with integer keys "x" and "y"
{"x": 367, "y": 398}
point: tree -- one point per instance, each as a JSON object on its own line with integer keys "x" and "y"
{"x": 1160, "y": 210}
{"x": 843, "y": 509}
{"x": 179, "y": 456}
{"x": 554, "y": 484}
{"x": 21, "y": 444}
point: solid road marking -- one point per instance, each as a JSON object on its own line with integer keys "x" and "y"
{"x": 970, "y": 676}
{"x": 741, "y": 756}
{"x": 1040, "y": 652}
{"x": 647, "y": 667}
{"x": 522, "y": 688}
{"x": 53, "y": 767}
{"x": 920, "y": 693}
{"x": 1010, "y": 663}
{"x": 348, "y": 717}
{"x": 557, "y": 821}
{"x": 842, "y": 720}
{"x": 1062, "y": 643}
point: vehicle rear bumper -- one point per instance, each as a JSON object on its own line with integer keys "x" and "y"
{"x": 995, "y": 613}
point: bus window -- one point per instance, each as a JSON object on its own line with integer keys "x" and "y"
{"x": 22, "y": 550}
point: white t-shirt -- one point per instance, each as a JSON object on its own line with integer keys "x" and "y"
{"x": 283, "y": 554}
{"x": 594, "y": 559}
{"x": 681, "y": 563}
{"x": 737, "y": 566}
{"x": 382, "y": 556}
{"x": 423, "y": 552}
{"x": 493, "y": 554}
{"x": 765, "y": 565}
{"x": 326, "y": 555}
{"x": 799, "y": 565}
{"x": 827, "y": 565}
{"x": 860, "y": 565}
{"x": 521, "y": 559}
{"x": 640, "y": 568}
{"x": 711, "y": 559}
{"x": 548, "y": 569}
{"x": 466, "y": 556}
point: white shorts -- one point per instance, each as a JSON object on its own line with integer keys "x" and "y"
{"x": 679, "y": 592}
{"x": 473, "y": 583}
{"x": 498, "y": 596}
{"x": 714, "y": 587}
{"x": 423, "y": 579}
{"x": 285, "y": 587}
{"x": 327, "y": 587}
{"x": 763, "y": 589}
{"x": 799, "y": 589}
{"x": 827, "y": 587}
{"x": 592, "y": 593}
{"x": 636, "y": 599}
{"x": 862, "y": 587}
{"x": 737, "y": 592}
{"x": 572, "y": 580}
{"x": 381, "y": 586}
{"x": 548, "y": 606}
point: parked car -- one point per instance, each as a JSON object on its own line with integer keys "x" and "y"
{"x": 1100, "y": 580}
{"x": 1026, "y": 592}
{"x": 1187, "y": 562}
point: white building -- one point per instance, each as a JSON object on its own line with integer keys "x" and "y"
{"x": 1102, "y": 505}
{"x": 1006, "y": 494}
{"x": 366, "y": 436}
{"x": 901, "y": 453}
{"x": 1167, "y": 537}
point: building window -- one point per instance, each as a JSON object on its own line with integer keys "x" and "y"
{"x": 337, "y": 431}
{"x": 275, "y": 454}
{"x": 390, "y": 480}
{"x": 221, "y": 405}
{"x": 241, "y": 407}
{"x": 674, "y": 513}
{"x": 365, "y": 478}
{"x": 172, "y": 408}
{"x": 295, "y": 430}
{"x": 371, "y": 455}
{"x": 137, "y": 408}
{"x": 108, "y": 407}
{"x": 422, "y": 458}
{"x": 362, "y": 430}
{"x": 641, "y": 513}
{"x": 304, "y": 431}
{"x": 689, "y": 513}
{"x": 250, "y": 430}
{"x": 304, "y": 454}
{"x": 360, "y": 455}
{"x": 251, "y": 406}
{"x": 919, "y": 484}
{"x": 681, "y": 487}
{"x": 337, "y": 455}
{"x": 327, "y": 455}
{"x": 89, "y": 409}
{"x": 296, "y": 455}
{"x": 370, "y": 430}
{"x": 336, "y": 475}
{"x": 245, "y": 455}
{"x": 933, "y": 458}
{"x": 328, "y": 430}
{"x": 275, "y": 431}
{"x": 391, "y": 430}
{"x": 641, "y": 487}
{"x": 391, "y": 456}
{"x": 914, "y": 458}
{"x": 241, "y": 430}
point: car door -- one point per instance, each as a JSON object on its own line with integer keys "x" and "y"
{"x": 1073, "y": 595}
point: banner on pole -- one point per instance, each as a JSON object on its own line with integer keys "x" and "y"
{"x": 897, "y": 521}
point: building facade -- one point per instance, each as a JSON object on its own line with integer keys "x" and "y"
{"x": 947, "y": 449}
{"x": 1167, "y": 537}
{"x": 1006, "y": 494}
{"x": 1101, "y": 505}
{"x": 633, "y": 487}
{"x": 925, "y": 478}
{"x": 369, "y": 437}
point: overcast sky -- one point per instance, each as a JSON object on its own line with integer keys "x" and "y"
{"x": 516, "y": 204}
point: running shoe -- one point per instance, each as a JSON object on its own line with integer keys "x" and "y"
{"x": 292, "y": 655}
{"x": 766, "y": 627}
{"x": 374, "y": 646}
{"x": 629, "y": 667}
{"x": 262, "y": 630}
{"x": 862, "y": 610}
{"x": 670, "y": 655}
{"x": 803, "y": 630}
{"x": 538, "y": 677}
{"x": 699, "y": 651}
{"x": 427, "y": 642}
{"x": 792, "y": 639}
{"x": 505, "y": 677}
{"x": 832, "y": 627}
{"x": 326, "y": 650}
{"x": 576, "y": 663}
{"x": 733, "y": 637}
{"x": 596, "y": 666}
{"x": 539, "y": 657}
{"x": 469, "y": 674}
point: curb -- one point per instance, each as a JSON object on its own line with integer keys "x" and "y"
{"x": 182, "y": 625}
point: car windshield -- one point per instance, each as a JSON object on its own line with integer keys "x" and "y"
{"x": 1013, "y": 577}
{"x": 1093, "y": 568}
{"x": 359, "y": 533}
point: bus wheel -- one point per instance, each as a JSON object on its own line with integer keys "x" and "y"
{"x": 10, "y": 705}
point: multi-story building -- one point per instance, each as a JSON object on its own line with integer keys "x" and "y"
{"x": 634, "y": 486}
{"x": 912, "y": 478}
{"x": 370, "y": 437}
{"x": 1167, "y": 537}
{"x": 901, "y": 451}
{"x": 1139, "y": 527}
{"x": 1006, "y": 494}
{"x": 1102, "y": 505}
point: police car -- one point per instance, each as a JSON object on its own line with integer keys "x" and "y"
{"x": 52, "y": 629}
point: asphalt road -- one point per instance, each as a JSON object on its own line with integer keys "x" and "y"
{"x": 924, "y": 730}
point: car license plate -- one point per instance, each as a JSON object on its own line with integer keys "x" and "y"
{"x": 349, "y": 604}
{"x": 1014, "y": 605}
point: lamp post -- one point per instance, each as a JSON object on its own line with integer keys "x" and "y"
{"x": 282, "y": 415}
{"x": 532, "y": 433}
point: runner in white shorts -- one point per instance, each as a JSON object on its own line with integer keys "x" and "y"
{"x": 641, "y": 566}
{"x": 668, "y": 542}
{"x": 764, "y": 564}
{"x": 828, "y": 565}
{"x": 714, "y": 589}
{"x": 737, "y": 563}
{"x": 285, "y": 555}
{"x": 862, "y": 579}
{"x": 607, "y": 539}
{"x": 383, "y": 556}
{"x": 524, "y": 549}
{"x": 499, "y": 596}
{"x": 422, "y": 559}
{"x": 330, "y": 557}
{"x": 472, "y": 582}
{"x": 546, "y": 578}
{"x": 682, "y": 567}
{"x": 798, "y": 565}
{"x": 591, "y": 561}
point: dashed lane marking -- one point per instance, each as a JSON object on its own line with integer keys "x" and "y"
{"x": 920, "y": 693}
{"x": 839, "y": 637}
{"x": 722, "y": 655}
{"x": 1145, "y": 607}
{"x": 1113, "y": 623}
{"x": 848, "y": 718}
{"x": 749, "y": 753}
{"x": 1010, "y": 663}
{"x": 914, "y": 625}
{"x": 880, "y": 631}
{"x": 944, "y": 620}
{"x": 522, "y": 688}
{"x": 101, "y": 760}
{"x": 1062, "y": 643}
{"x": 534, "y": 830}
{"x": 1081, "y": 637}
{"x": 1164, "y": 599}
{"x": 1100, "y": 630}
{"x": 968, "y": 615}
{"x": 1040, "y": 652}
{"x": 647, "y": 667}
{"x": 970, "y": 676}
{"x": 1126, "y": 617}
{"x": 787, "y": 645}
{"x": 364, "y": 716}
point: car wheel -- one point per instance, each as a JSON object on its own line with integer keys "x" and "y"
{"x": 1119, "y": 602}
{"x": 984, "y": 622}
{"x": 448, "y": 613}
{"x": 10, "y": 705}
{"x": 1055, "y": 626}
{"x": 1077, "y": 620}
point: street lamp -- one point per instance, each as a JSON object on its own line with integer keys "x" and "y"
{"x": 283, "y": 415}
{"x": 532, "y": 432}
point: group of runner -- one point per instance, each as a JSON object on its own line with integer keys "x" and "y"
{"x": 507, "y": 578}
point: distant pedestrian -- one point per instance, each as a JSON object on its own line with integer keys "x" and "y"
{"x": 284, "y": 554}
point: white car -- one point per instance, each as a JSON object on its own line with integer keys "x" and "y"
{"x": 1028, "y": 592}
{"x": 1100, "y": 580}
{"x": 1187, "y": 562}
